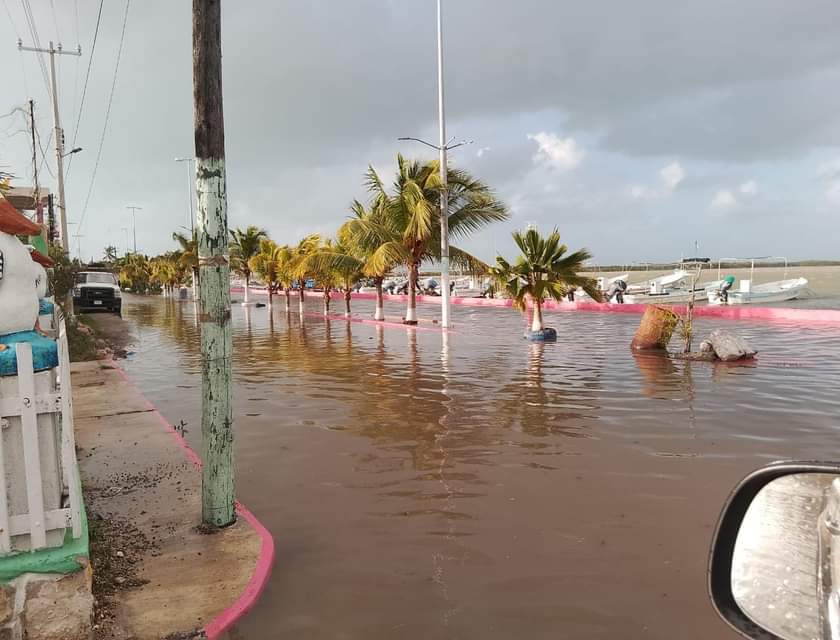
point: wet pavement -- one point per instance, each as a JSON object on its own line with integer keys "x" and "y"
{"x": 475, "y": 485}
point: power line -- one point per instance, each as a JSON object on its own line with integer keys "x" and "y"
{"x": 107, "y": 115}
{"x": 33, "y": 31}
{"x": 87, "y": 77}
{"x": 55, "y": 20}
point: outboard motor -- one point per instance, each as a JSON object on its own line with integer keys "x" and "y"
{"x": 723, "y": 292}
{"x": 616, "y": 291}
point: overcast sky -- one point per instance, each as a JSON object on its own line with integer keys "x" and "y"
{"x": 636, "y": 128}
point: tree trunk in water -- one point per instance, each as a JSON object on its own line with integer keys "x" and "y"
{"x": 536, "y": 321}
{"x": 380, "y": 302}
{"x": 270, "y": 295}
{"x": 214, "y": 269}
{"x": 326, "y": 301}
{"x": 347, "y": 296}
{"x": 247, "y": 289}
{"x": 195, "y": 289}
{"x": 288, "y": 293}
{"x": 411, "y": 311}
{"x": 302, "y": 297}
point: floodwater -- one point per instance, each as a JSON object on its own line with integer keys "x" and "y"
{"x": 473, "y": 485}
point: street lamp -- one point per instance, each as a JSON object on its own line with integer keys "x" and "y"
{"x": 134, "y": 211}
{"x": 71, "y": 152}
{"x": 190, "y": 179}
{"x": 442, "y": 147}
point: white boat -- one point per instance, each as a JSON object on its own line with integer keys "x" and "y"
{"x": 778, "y": 291}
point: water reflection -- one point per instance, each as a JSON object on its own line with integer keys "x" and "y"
{"x": 454, "y": 470}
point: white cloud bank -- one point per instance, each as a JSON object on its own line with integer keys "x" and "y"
{"x": 670, "y": 177}
{"x": 562, "y": 154}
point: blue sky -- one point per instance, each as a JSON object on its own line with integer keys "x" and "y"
{"x": 637, "y": 128}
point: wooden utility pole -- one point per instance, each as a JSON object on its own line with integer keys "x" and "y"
{"x": 218, "y": 507}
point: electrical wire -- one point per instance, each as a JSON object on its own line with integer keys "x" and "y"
{"x": 107, "y": 117}
{"x": 33, "y": 31}
{"x": 55, "y": 20}
{"x": 85, "y": 86}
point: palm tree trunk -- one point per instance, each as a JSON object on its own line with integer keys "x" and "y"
{"x": 347, "y": 303}
{"x": 270, "y": 294}
{"x": 380, "y": 301}
{"x": 302, "y": 296}
{"x": 537, "y": 321}
{"x": 411, "y": 311}
{"x": 288, "y": 294}
{"x": 326, "y": 301}
{"x": 247, "y": 287}
{"x": 195, "y": 282}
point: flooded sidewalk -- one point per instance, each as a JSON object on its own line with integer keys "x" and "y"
{"x": 156, "y": 575}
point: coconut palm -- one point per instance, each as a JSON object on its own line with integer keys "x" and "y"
{"x": 351, "y": 255}
{"x": 299, "y": 268}
{"x": 337, "y": 263}
{"x": 244, "y": 245}
{"x": 409, "y": 232}
{"x": 542, "y": 270}
{"x": 164, "y": 272}
{"x": 188, "y": 258}
{"x": 271, "y": 264}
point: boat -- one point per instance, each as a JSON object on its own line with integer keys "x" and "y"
{"x": 778, "y": 291}
{"x": 749, "y": 293}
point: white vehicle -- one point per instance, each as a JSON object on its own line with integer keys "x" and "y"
{"x": 97, "y": 290}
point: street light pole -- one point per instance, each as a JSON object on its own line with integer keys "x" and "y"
{"x": 444, "y": 192}
{"x": 126, "y": 239}
{"x": 134, "y": 211}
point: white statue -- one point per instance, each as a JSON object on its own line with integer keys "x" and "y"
{"x": 18, "y": 274}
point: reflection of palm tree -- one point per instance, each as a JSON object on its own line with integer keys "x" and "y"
{"x": 541, "y": 406}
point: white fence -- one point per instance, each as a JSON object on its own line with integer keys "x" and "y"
{"x": 40, "y": 494}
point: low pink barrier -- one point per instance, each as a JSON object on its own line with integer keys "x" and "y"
{"x": 745, "y": 312}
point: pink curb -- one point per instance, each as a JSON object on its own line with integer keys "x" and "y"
{"x": 772, "y": 314}
{"x": 256, "y": 585}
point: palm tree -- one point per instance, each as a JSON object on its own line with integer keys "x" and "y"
{"x": 244, "y": 245}
{"x": 543, "y": 269}
{"x": 188, "y": 258}
{"x": 410, "y": 230}
{"x": 350, "y": 257}
{"x": 164, "y": 272}
{"x": 272, "y": 264}
{"x": 299, "y": 268}
{"x": 336, "y": 263}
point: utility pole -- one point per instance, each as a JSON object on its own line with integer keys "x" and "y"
{"x": 58, "y": 133}
{"x": 134, "y": 211}
{"x": 126, "y": 239}
{"x": 218, "y": 502}
{"x": 79, "y": 237}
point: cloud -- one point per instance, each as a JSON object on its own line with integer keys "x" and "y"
{"x": 832, "y": 193}
{"x": 562, "y": 154}
{"x": 672, "y": 175}
{"x": 749, "y": 188}
{"x": 482, "y": 151}
{"x": 724, "y": 199}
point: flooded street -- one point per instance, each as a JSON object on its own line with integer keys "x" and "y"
{"x": 429, "y": 486}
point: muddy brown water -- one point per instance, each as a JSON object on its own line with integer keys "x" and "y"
{"x": 478, "y": 486}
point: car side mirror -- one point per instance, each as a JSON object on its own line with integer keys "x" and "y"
{"x": 774, "y": 570}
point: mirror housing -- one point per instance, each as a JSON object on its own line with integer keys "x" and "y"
{"x": 726, "y": 536}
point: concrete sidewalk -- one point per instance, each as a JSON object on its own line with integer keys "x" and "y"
{"x": 155, "y": 574}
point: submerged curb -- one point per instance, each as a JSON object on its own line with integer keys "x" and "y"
{"x": 738, "y": 312}
{"x": 265, "y": 561}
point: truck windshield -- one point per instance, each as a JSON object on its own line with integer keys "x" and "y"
{"x": 99, "y": 278}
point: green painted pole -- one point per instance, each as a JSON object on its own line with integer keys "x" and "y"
{"x": 217, "y": 506}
